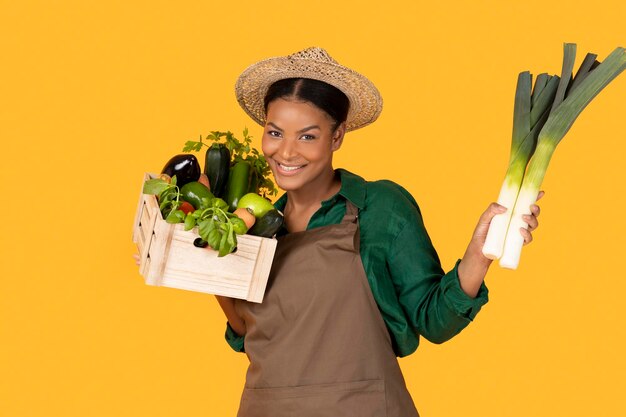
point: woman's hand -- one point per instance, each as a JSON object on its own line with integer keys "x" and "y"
{"x": 137, "y": 260}
{"x": 474, "y": 265}
{"x": 480, "y": 233}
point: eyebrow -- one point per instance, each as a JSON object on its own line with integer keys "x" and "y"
{"x": 299, "y": 131}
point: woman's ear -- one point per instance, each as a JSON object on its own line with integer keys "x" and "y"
{"x": 337, "y": 139}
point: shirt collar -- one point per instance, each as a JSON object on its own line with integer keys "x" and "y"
{"x": 352, "y": 188}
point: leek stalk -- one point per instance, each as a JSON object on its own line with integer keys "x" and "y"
{"x": 529, "y": 115}
{"x": 570, "y": 101}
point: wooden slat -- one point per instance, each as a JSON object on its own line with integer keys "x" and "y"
{"x": 145, "y": 250}
{"x": 139, "y": 210}
{"x": 262, "y": 269}
{"x": 145, "y": 219}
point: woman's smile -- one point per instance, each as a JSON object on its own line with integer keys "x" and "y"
{"x": 285, "y": 169}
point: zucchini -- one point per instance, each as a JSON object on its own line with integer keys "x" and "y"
{"x": 268, "y": 225}
{"x": 238, "y": 183}
{"x": 216, "y": 167}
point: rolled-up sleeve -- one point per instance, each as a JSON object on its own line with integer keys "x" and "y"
{"x": 233, "y": 339}
{"x": 433, "y": 301}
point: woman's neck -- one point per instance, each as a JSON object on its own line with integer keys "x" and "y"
{"x": 309, "y": 198}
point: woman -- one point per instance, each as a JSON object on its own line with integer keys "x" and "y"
{"x": 355, "y": 280}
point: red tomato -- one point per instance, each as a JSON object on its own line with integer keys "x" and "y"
{"x": 186, "y": 207}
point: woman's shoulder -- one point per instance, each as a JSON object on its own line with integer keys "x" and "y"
{"x": 389, "y": 195}
{"x": 379, "y": 198}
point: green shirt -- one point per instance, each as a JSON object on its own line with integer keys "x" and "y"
{"x": 414, "y": 295}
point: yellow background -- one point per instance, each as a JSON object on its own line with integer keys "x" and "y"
{"x": 93, "y": 94}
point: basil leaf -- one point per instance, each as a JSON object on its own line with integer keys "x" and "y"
{"x": 190, "y": 222}
{"x": 224, "y": 248}
{"x": 155, "y": 186}
{"x": 172, "y": 218}
{"x": 239, "y": 226}
{"x": 219, "y": 203}
{"x": 205, "y": 227}
{"x": 231, "y": 237}
{"x": 214, "y": 239}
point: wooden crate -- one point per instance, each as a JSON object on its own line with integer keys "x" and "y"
{"x": 169, "y": 258}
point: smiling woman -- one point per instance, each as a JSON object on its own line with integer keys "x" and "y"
{"x": 355, "y": 280}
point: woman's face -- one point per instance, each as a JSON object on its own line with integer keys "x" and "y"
{"x": 298, "y": 143}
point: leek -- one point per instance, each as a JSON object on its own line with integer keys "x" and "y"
{"x": 529, "y": 115}
{"x": 570, "y": 101}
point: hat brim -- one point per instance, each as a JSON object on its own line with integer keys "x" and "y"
{"x": 252, "y": 85}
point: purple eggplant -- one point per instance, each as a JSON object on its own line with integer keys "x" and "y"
{"x": 185, "y": 166}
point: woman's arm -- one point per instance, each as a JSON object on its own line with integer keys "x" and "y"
{"x": 474, "y": 265}
{"x": 235, "y": 321}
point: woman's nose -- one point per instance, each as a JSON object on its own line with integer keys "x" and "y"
{"x": 287, "y": 149}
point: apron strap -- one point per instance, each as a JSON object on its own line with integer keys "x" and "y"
{"x": 352, "y": 212}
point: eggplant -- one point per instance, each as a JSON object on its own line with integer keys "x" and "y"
{"x": 185, "y": 166}
{"x": 216, "y": 167}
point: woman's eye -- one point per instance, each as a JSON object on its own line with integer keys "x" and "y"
{"x": 308, "y": 137}
{"x": 273, "y": 133}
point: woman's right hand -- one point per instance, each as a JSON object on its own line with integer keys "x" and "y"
{"x": 137, "y": 260}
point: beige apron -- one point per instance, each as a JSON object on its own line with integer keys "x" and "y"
{"x": 318, "y": 345}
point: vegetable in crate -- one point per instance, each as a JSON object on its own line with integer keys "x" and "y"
{"x": 246, "y": 215}
{"x": 572, "y": 96}
{"x": 197, "y": 194}
{"x": 268, "y": 225}
{"x": 215, "y": 224}
{"x": 259, "y": 181}
{"x": 241, "y": 180}
{"x": 259, "y": 205}
{"x": 184, "y": 166}
{"x": 216, "y": 167}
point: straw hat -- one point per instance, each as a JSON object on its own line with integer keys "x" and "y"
{"x": 252, "y": 85}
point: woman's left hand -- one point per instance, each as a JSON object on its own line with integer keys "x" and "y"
{"x": 480, "y": 233}
{"x": 532, "y": 221}
{"x": 474, "y": 265}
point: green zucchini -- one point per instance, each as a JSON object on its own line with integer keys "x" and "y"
{"x": 238, "y": 183}
{"x": 216, "y": 167}
{"x": 268, "y": 225}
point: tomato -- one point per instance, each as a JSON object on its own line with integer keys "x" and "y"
{"x": 186, "y": 207}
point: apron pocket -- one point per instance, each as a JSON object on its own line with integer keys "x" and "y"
{"x": 358, "y": 398}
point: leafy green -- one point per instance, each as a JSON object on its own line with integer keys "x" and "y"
{"x": 155, "y": 186}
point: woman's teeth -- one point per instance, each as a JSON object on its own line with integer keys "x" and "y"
{"x": 289, "y": 168}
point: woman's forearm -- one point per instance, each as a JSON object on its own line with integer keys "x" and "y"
{"x": 472, "y": 270}
{"x": 236, "y": 322}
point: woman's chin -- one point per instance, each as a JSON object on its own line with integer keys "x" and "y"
{"x": 287, "y": 184}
